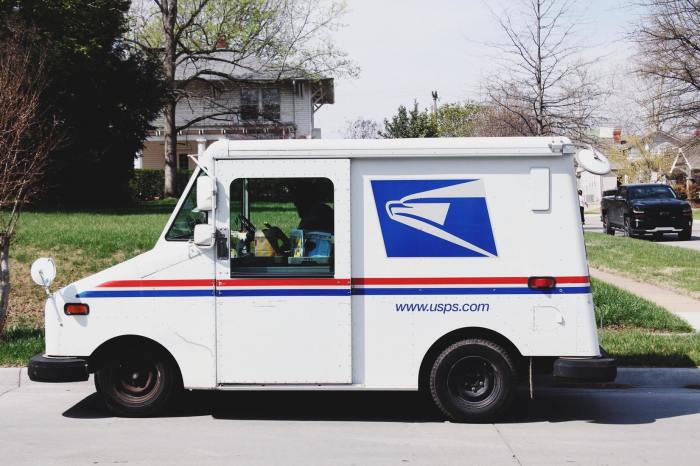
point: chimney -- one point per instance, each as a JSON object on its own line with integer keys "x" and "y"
{"x": 221, "y": 43}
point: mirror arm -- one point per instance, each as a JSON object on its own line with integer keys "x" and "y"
{"x": 206, "y": 172}
{"x": 46, "y": 287}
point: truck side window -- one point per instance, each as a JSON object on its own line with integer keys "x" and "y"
{"x": 282, "y": 227}
{"x": 187, "y": 217}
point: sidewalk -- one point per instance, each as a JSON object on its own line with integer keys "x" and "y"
{"x": 684, "y": 307}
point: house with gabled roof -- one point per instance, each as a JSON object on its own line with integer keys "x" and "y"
{"x": 254, "y": 101}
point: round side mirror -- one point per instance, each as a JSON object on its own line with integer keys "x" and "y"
{"x": 43, "y": 271}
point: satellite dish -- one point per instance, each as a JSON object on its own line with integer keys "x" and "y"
{"x": 43, "y": 271}
{"x": 593, "y": 161}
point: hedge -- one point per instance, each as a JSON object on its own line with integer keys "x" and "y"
{"x": 147, "y": 185}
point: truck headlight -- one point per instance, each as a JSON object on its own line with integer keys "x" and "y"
{"x": 637, "y": 210}
{"x": 687, "y": 209}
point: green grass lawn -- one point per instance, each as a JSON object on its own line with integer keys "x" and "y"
{"x": 640, "y": 348}
{"x": 677, "y": 268}
{"x": 81, "y": 243}
{"x": 696, "y": 214}
{"x": 639, "y": 333}
{"x": 634, "y": 330}
{"x": 618, "y": 309}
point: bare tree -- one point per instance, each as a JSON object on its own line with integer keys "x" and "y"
{"x": 233, "y": 40}
{"x": 669, "y": 43}
{"x": 542, "y": 86}
{"x": 362, "y": 128}
{"x": 27, "y": 135}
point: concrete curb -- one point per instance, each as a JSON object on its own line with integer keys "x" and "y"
{"x": 642, "y": 377}
{"x": 9, "y": 378}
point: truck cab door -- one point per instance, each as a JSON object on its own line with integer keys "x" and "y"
{"x": 283, "y": 274}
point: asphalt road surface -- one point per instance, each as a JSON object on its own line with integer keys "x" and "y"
{"x": 593, "y": 223}
{"x": 65, "y": 424}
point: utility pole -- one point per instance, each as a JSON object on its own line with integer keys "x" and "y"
{"x": 435, "y": 99}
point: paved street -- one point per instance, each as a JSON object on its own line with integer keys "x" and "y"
{"x": 66, "y": 425}
{"x": 593, "y": 223}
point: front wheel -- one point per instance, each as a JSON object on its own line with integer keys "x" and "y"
{"x": 473, "y": 380}
{"x": 628, "y": 227}
{"x": 138, "y": 383}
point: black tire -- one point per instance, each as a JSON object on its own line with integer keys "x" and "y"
{"x": 138, "y": 383}
{"x": 473, "y": 380}
{"x": 606, "y": 226}
{"x": 685, "y": 234}
{"x": 628, "y": 227}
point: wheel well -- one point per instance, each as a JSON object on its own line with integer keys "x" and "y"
{"x": 460, "y": 334}
{"x": 118, "y": 344}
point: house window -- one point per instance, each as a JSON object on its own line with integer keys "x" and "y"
{"x": 271, "y": 104}
{"x": 183, "y": 162}
{"x": 249, "y": 104}
{"x": 282, "y": 227}
{"x": 260, "y": 102}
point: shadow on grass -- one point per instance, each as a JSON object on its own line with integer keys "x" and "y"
{"x": 18, "y": 334}
{"x": 675, "y": 359}
{"x": 163, "y": 206}
{"x": 601, "y": 406}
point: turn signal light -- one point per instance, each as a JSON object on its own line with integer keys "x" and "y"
{"x": 76, "y": 309}
{"x": 541, "y": 283}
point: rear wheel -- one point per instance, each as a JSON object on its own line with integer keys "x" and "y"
{"x": 606, "y": 226}
{"x": 473, "y": 380}
{"x": 138, "y": 383}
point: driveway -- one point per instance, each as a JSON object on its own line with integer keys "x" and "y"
{"x": 593, "y": 223}
{"x": 66, "y": 425}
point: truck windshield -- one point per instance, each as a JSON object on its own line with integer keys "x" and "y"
{"x": 651, "y": 192}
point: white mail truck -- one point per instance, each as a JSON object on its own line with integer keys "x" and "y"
{"x": 450, "y": 266}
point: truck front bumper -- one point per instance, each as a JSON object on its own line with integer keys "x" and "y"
{"x": 648, "y": 227}
{"x": 44, "y": 368}
{"x": 578, "y": 370}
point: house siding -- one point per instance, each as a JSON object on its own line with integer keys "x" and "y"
{"x": 153, "y": 153}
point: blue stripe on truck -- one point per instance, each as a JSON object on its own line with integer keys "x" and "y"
{"x": 170, "y": 293}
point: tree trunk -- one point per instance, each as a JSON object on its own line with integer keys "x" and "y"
{"x": 4, "y": 279}
{"x": 170, "y": 169}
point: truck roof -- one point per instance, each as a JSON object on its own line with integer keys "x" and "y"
{"x": 367, "y": 148}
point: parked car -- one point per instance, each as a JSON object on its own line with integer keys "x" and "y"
{"x": 646, "y": 209}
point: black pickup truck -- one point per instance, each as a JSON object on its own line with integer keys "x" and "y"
{"x": 646, "y": 209}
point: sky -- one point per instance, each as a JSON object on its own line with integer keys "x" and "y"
{"x": 408, "y": 48}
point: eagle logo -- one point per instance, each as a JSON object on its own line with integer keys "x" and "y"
{"x": 434, "y": 218}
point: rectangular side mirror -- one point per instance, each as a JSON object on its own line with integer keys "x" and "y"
{"x": 204, "y": 235}
{"x": 205, "y": 193}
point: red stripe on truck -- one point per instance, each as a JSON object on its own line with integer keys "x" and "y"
{"x": 335, "y": 281}
{"x": 460, "y": 280}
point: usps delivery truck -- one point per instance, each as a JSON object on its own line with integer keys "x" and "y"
{"x": 450, "y": 266}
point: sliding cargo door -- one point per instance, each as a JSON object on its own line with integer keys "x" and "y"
{"x": 283, "y": 282}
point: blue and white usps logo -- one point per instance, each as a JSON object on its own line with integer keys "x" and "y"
{"x": 434, "y": 218}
